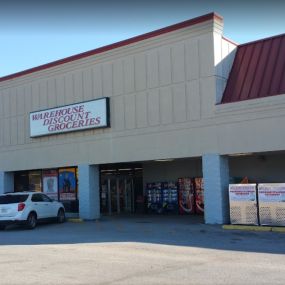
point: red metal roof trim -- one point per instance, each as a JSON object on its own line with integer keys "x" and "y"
{"x": 191, "y": 22}
{"x": 230, "y": 41}
{"x": 258, "y": 70}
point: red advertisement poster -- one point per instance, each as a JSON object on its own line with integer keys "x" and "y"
{"x": 50, "y": 183}
{"x": 199, "y": 195}
{"x": 186, "y": 196}
{"x": 67, "y": 184}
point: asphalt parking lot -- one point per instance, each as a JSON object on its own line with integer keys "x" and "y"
{"x": 140, "y": 250}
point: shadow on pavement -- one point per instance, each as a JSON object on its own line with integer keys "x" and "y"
{"x": 165, "y": 230}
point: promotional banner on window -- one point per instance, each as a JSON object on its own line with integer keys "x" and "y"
{"x": 67, "y": 184}
{"x": 50, "y": 183}
{"x": 75, "y": 117}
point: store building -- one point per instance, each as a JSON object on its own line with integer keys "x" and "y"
{"x": 94, "y": 129}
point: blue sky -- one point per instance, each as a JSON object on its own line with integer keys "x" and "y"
{"x": 37, "y": 32}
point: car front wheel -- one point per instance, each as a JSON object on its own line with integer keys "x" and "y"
{"x": 31, "y": 221}
{"x": 61, "y": 216}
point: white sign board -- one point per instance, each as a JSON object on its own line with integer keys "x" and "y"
{"x": 271, "y": 192}
{"x": 242, "y": 192}
{"x": 75, "y": 117}
{"x": 243, "y": 204}
{"x": 271, "y": 199}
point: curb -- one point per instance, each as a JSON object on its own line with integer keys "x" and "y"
{"x": 73, "y": 220}
{"x": 278, "y": 229}
{"x": 249, "y": 228}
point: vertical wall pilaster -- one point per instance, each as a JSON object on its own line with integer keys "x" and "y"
{"x": 89, "y": 193}
{"x": 6, "y": 182}
{"x": 216, "y": 181}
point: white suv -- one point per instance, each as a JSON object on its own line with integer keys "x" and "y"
{"x": 28, "y": 208}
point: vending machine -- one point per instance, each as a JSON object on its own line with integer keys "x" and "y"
{"x": 169, "y": 197}
{"x": 186, "y": 197}
{"x": 199, "y": 195}
{"x": 154, "y": 197}
{"x": 150, "y": 195}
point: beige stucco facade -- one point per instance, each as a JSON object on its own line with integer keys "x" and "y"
{"x": 163, "y": 93}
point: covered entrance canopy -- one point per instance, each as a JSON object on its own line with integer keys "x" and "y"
{"x": 163, "y": 186}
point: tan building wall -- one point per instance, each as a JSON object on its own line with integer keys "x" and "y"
{"x": 171, "y": 170}
{"x": 163, "y": 94}
{"x": 265, "y": 168}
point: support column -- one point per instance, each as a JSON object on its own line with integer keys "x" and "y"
{"x": 6, "y": 182}
{"x": 89, "y": 193}
{"x": 216, "y": 182}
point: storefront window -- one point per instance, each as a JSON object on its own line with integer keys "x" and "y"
{"x": 67, "y": 184}
{"x": 58, "y": 184}
{"x": 50, "y": 183}
{"x": 21, "y": 181}
{"x": 35, "y": 180}
{"x": 28, "y": 181}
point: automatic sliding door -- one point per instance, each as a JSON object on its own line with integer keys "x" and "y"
{"x": 113, "y": 195}
{"x": 128, "y": 195}
{"x": 117, "y": 193}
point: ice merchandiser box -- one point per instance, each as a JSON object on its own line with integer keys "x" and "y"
{"x": 271, "y": 198}
{"x": 243, "y": 204}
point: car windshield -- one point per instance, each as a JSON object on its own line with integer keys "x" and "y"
{"x": 11, "y": 199}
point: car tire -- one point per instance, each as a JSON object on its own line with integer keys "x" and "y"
{"x": 61, "y": 216}
{"x": 2, "y": 228}
{"x": 31, "y": 221}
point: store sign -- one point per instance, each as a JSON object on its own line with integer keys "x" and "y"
{"x": 242, "y": 192}
{"x": 271, "y": 192}
{"x": 80, "y": 116}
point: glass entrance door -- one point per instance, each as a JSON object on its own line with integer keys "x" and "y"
{"x": 129, "y": 195}
{"x": 117, "y": 195}
{"x": 113, "y": 196}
